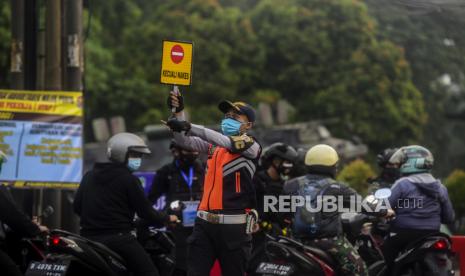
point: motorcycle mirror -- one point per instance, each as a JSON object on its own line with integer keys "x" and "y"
{"x": 383, "y": 193}
{"x": 48, "y": 211}
{"x": 175, "y": 205}
{"x": 371, "y": 199}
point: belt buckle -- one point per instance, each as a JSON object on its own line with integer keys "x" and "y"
{"x": 213, "y": 218}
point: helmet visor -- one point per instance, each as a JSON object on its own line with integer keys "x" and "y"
{"x": 139, "y": 149}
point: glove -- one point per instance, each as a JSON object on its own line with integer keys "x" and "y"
{"x": 180, "y": 105}
{"x": 177, "y": 125}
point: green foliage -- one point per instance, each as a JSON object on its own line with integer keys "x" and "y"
{"x": 324, "y": 56}
{"x": 455, "y": 184}
{"x": 5, "y": 41}
{"x": 356, "y": 174}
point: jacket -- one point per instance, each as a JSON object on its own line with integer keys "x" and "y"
{"x": 108, "y": 198}
{"x": 420, "y": 202}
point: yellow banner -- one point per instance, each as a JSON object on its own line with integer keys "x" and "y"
{"x": 176, "y": 66}
{"x": 61, "y": 103}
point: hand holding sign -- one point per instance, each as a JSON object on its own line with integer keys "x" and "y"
{"x": 175, "y": 101}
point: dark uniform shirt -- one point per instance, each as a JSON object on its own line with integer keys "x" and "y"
{"x": 172, "y": 180}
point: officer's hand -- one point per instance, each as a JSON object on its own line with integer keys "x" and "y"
{"x": 176, "y": 101}
{"x": 174, "y": 219}
{"x": 177, "y": 125}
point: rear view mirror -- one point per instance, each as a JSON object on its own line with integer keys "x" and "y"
{"x": 383, "y": 193}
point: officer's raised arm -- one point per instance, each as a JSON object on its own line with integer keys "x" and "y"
{"x": 239, "y": 117}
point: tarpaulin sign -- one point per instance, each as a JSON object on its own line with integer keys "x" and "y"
{"x": 176, "y": 66}
{"x": 41, "y": 135}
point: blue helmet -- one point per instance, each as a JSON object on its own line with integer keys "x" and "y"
{"x": 413, "y": 159}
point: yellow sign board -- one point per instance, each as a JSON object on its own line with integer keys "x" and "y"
{"x": 176, "y": 65}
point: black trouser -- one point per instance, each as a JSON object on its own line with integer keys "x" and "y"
{"x": 8, "y": 266}
{"x": 181, "y": 234}
{"x": 226, "y": 242}
{"x": 397, "y": 241}
{"x": 126, "y": 245}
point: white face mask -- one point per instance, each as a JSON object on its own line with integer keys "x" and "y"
{"x": 134, "y": 163}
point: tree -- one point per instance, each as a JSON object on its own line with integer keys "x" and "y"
{"x": 5, "y": 42}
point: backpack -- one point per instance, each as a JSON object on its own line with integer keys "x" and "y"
{"x": 307, "y": 222}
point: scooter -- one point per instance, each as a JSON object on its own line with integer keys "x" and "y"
{"x": 25, "y": 250}
{"x": 69, "y": 254}
{"x": 429, "y": 255}
{"x": 287, "y": 256}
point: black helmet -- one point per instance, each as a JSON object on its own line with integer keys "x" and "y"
{"x": 383, "y": 157}
{"x": 280, "y": 150}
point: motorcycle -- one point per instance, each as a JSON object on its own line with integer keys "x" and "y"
{"x": 25, "y": 250}
{"x": 287, "y": 256}
{"x": 69, "y": 254}
{"x": 429, "y": 255}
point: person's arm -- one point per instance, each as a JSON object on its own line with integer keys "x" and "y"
{"x": 141, "y": 204}
{"x": 204, "y": 137}
{"x": 447, "y": 211}
{"x": 14, "y": 218}
{"x": 240, "y": 144}
{"x": 77, "y": 202}
{"x": 396, "y": 193}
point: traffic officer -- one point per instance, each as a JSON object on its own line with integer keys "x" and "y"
{"x": 181, "y": 179}
{"x": 110, "y": 195}
{"x": 224, "y": 223}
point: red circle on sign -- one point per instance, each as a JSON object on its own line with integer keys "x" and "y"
{"x": 177, "y": 54}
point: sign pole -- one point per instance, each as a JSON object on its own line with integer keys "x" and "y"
{"x": 176, "y": 92}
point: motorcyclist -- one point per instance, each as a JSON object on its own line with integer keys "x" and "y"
{"x": 108, "y": 198}
{"x": 17, "y": 221}
{"x": 389, "y": 173}
{"x": 181, "y": 179}
{"x": 320, "y": 228}
{"x": 277, "y": 162}
{"x": 420, "y": 201}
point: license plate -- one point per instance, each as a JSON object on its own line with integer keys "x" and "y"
{"x": 275, "y": 269}
{"x": 47, "y": 268}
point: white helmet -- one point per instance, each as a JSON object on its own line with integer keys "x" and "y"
{"x": 120, "y": 144}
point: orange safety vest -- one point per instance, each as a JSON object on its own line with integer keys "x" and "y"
{"x": 228, "y": 181}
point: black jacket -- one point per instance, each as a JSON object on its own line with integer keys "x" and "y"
{"x": 108, "y": 198}
{"x": 13, "y": 217}
{"x": 266, "y": 186}
{"x": 169, "y": 180}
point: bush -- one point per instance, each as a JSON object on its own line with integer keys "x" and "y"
{"x": 356, "y": 174}
{"x": 455, "y": 184}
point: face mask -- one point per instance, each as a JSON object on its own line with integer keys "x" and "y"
{"x": 134, "y": 164}
{"x": 284, "y": 169}
{"x": 390, "y": 174}
{"x": 188, "y": 159}
{"x": 230, "y": 127}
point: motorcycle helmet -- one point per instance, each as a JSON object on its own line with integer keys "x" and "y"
{"x": 412, "y": 159}
{"x": 322, "y": 159}
{"x": 280, "y": 150}
{"x": 383, "y": 157}
{"x": 121, "y": 144}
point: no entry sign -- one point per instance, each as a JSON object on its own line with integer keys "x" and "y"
{"x": 176, "y": 66}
